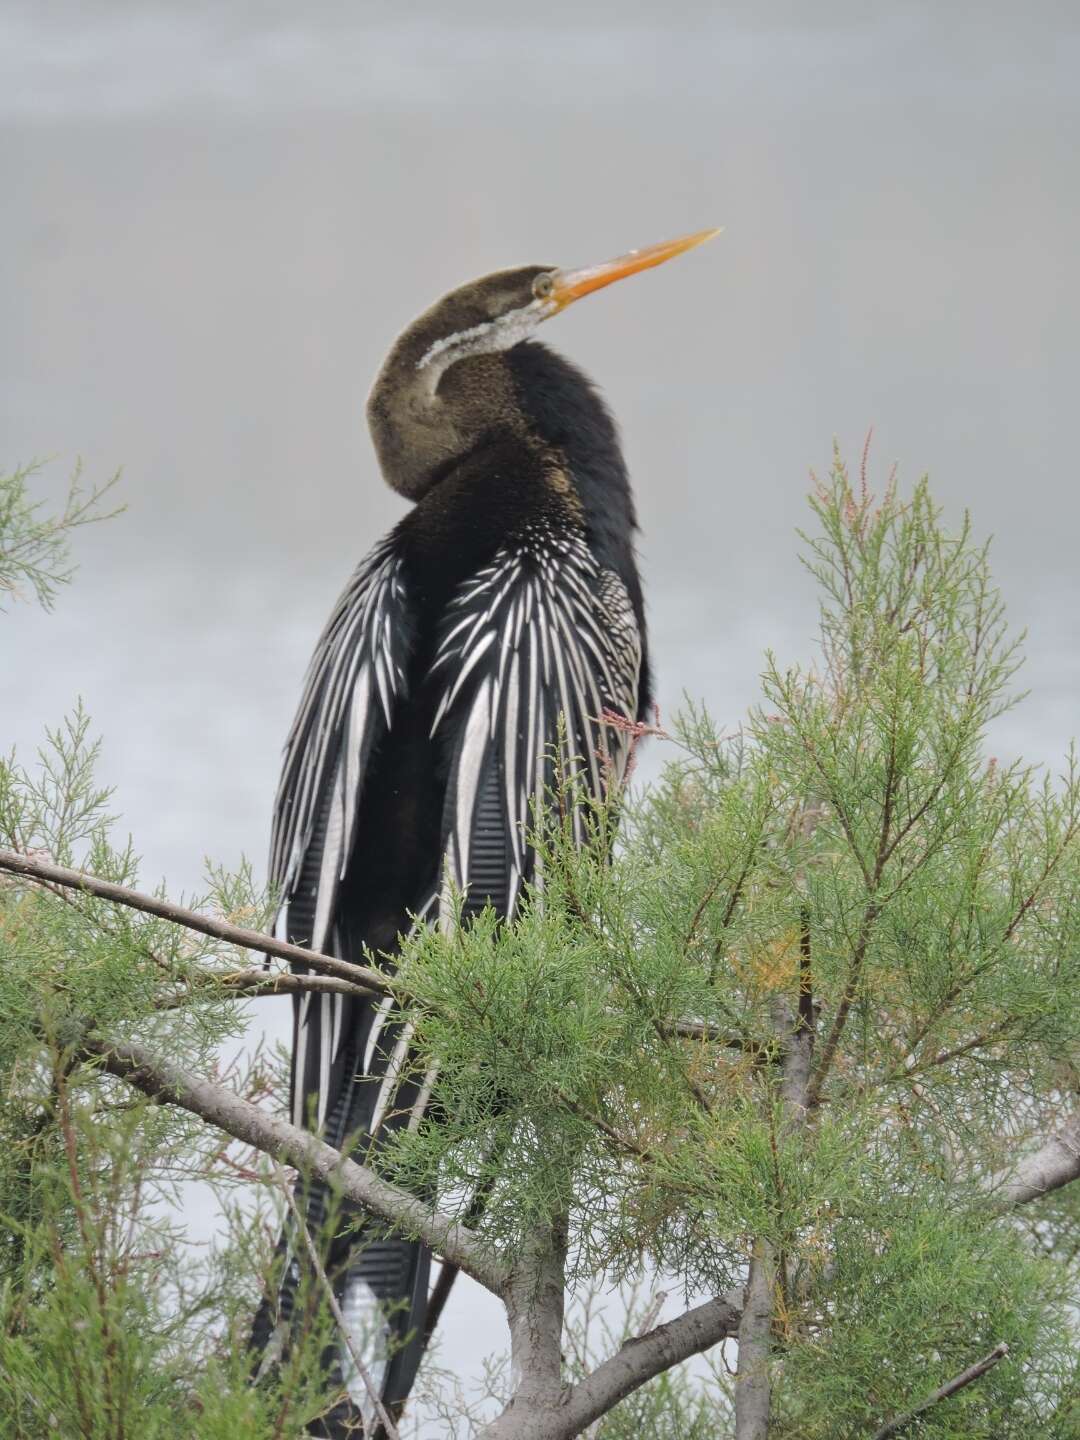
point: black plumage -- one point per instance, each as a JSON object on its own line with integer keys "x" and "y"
{"x": 500, "y": 618}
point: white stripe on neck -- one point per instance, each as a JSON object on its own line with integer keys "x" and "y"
{"x": 486, "y": 338}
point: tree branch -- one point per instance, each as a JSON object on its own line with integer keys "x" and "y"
{"x": 345, "y": 978}
{"x": 645, "y": 1356}
{"x": 795, "y": 1031}
{"x": 763, "y": 1051}
{"x": 535, "y": 1301}
{"x": 958, "y": 1382}
{"x": 273, "y": 1136}
{"x": 637, "y": 1362}
{"x": 847, "y": 999}
{"x": 753, "y": 1383}
{"x": 629, "y": 1147}
{"x": 1054, "y": 1164}
{"x": 43, "y": 872}
{"x": 257, "y": 984}
{"x": 634, "y": 1364}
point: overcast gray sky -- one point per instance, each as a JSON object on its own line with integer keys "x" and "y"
{"x": 216, "y": 217}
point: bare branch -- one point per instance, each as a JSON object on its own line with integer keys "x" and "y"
{"x": 634, "y": 1364}
{"x": 273, "y": 1136}
{"x": 365, "y": 977}
{"x": 344, "y": 977}
{"x": 795, "y": 1031}
{"x": 644, "y": 1356}
{"x": 535, "y": 1301}
{"x": 440, "y": 1294}
{"x": 753, "y": 1382}
{"x": 258, "y": 984}
{"x": 1054, "y": 1164}
{"x": 958, "y": 1382}
{"x": 687, "y": 1029}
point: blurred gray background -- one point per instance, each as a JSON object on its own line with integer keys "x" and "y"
{"x": 216, "y": 217}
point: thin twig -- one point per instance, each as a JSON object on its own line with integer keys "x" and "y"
{"x": 619, "y": 1141}
{"x": 870, "y": 915}
{"x": 958, "y": 1382}
{"x": 339, "y": 1319}
{"x": 366, "y": 977}
{"x": 259, "y": 984}
{"x": 913, "y": 1066}
{"x": 762, "y": 1052}
{"x": 733, "y": 900}
{"x": 1049, "y": 866}
{"x": 703, "y": 904}
{"x": 847, "y": 999}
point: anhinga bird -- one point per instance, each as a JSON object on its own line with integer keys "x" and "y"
{"x": 500, "y": 618}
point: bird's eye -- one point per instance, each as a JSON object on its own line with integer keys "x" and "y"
{"x": 543, "y": 286}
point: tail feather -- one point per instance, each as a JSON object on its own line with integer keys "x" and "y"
{"x": 380, "y": 1281}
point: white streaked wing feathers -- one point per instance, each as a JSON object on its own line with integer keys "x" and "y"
{"x": 547, "y": 634}
{"x": 355, "y": 678}
{"x": 541, "y": 633}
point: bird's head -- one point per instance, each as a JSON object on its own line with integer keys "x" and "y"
{"x": 428, "y": 407}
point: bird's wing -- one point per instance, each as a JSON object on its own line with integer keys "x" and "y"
{"x": 536, "y": 647}
{"x": 355, "y": 680}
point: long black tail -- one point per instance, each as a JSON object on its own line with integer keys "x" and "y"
{"x": 380, "y": 1281}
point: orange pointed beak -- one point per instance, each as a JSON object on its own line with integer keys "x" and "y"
{"x": 571, "y": 285}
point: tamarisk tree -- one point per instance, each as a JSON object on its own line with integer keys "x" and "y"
{"x": 803, "y": 1041}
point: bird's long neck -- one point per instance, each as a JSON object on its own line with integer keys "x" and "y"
{"x": 424, "y": 424}
{"x": 550, "y": 454}
{"x": 469, "y": 451}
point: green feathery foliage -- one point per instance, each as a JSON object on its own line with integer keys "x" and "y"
{"x": 35, "y": 556}
{"x": 851, "y": 862}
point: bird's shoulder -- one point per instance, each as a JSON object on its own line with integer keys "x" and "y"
{"x": 508, "y": 490}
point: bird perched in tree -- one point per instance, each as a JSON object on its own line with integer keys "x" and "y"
{"x": 500, "y": 621}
